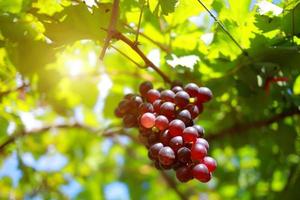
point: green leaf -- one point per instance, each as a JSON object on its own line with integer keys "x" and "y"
{"x": 167, "y": 6}
{"x": 76, "y": 22}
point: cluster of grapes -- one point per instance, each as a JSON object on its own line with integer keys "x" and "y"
{"x": 165, "y": 119}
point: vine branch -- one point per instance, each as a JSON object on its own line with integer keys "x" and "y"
{"x": 243, "y": 128}
{"x": 224, "y": 28}
{"x": 120, "y": 36}
{"x": 5, "y": 93}
{"x": 97, "y": 132}
{"x": 111, "y": 27}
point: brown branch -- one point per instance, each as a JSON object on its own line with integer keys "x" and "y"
{"x": 173, "y": 185}
{"x": 244, "y": 127}
{"x": 5, "y": 93}
{"x": 97, "y": 132}
{"x": 111, "y": 28}
{"x": 134, "y": 47}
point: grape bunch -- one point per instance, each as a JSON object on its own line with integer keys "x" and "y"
{"x": 165, "y": 119}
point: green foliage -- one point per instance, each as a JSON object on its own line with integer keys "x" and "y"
{"x": 50, "y": 74}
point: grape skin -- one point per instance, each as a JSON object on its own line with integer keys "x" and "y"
{"x": 148, "y": 120}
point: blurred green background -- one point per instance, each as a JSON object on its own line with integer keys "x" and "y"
{"x": 59, "y": 138}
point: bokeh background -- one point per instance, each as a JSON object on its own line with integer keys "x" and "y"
{"x": 59, "y": 138}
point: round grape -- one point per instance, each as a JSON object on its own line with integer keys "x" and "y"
{"x": 145, "y": 87}
{"x": 200, "y": 130}
{"x": 190, "y": 134}
{"x": 176, "y": 89}
{"x": 203, "y": 142}
{"x": 156, "y": 105}
{"x": 165, "y": 137}
{"x": 161, "y": 122}
{"x": 204, "y": 94}
{"x": 148, "y": 120}
{"x": 198, "y": 152}
{"x": 166, "y": 156}
{"x": 186, "y": 117}
{"x": 168, "y": 109}
{"x": 191, "y": 89}
{"x": 210, "y": 163}
{"x": 194, "y": 110}
{"x": 129, "y": 121}
{"x": 176, "y": 127}
{"x": 124, "y": 106}
{"x": 137, "y": 100}
{"x": 152, "y": 95}
{"x": 201, "y": 173}
{"x": 184, "y": 155}
{"x": 154, "y": 149}
{"x": 184, "y": 174}
{"x": 145, "y": 107}
{"x": 176, "y": 143}
{"x": 167, "y": 95}
{"x": 182, "y": 99}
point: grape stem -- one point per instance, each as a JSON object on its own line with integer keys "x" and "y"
{"x": 111, "y": 132}
{"x": 139, "y": 24}
{"x": 244, "y": 127}
{"x": 133, "y": 46}
{"x": 111, "y": 27}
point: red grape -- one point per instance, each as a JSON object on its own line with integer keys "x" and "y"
{"x": 184, "y": 174}
{"x": 168, "y": 109}
{"x": 154, "y": 149}
{"x": 182, "y": 99}
{"x": 129, "y": 121}
{"x": 201, "y": 173}
{"x": 167, "y": 95}
{"x": 148, "y": 120}
{"x": 176, "y": 143}
{"x": 200, "y": 130}
{"x": 145, "y": 87}
{"x": 161, "y": 122}
{"x": 186, "y": 117}
{"x": 210, "y": 163}
{"x": 165, "y": 137}
{"x": 194, "y": 110}
{"x": 156, "y": 105}
{"x": 203, "y": 142}
{"x": 146, "y": 107}
{"x": 176, "y": 127}
{"x": 184, "y": 155}
{"x": 204, "y": 94}
{"x": 192, "y": 89}
{"x": 198, "y": 152}
{"x": 152, "y": 95}
{"x": 166, "y": 156}
{"x": 190, "y": 134}
{"x": 177, "y": 89}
